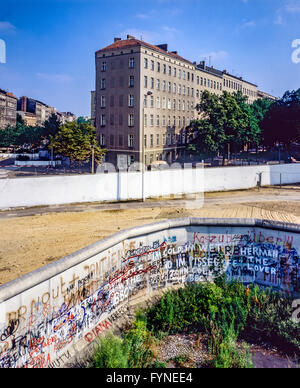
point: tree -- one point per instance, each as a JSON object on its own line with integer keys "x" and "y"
{"x": 77, "y": 142}
{"x": 226, "y": 124}
{"x": 51, "y": 126}
{"x": 206, "y": 134}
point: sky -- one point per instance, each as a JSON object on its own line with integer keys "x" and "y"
{"x": 51, "y": 44}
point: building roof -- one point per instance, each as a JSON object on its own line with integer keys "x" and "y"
{"x": 6, "y": 93}
{"x": 133, "y": 42}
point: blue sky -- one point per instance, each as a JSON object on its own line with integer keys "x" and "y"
{"x": 51, "y": 43}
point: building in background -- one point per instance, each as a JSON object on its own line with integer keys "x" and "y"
{"x": 66, "y": 117}
{"x": 8, "y": 109}
{"x": 42, "y": 111}
{"x": 146, "y": 96}
{"x": 29, "y": 118}
{"x": 261, "y": 94}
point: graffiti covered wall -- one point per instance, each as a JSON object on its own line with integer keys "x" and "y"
{"x": 43, "y": 325}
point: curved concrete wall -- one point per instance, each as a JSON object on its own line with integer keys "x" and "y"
{"x": 55, "y": 312}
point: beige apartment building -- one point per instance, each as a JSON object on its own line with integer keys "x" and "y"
{"x": 146, "y": 96}
{"x": 8, "y": 109}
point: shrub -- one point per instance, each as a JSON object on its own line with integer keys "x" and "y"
{"x": 111, "y": 353}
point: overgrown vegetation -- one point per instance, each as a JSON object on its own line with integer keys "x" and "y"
{"x": 231, "y": 314}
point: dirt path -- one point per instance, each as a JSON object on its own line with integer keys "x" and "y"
{"x": 32, "y": 238}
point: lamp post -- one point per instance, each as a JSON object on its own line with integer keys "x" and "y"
{"x": 143, "y": 148}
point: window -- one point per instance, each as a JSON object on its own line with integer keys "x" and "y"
{"x": 179, "y": 89}
{"x": 131, "y": 100}
{"x": 164, "y": 103}
{"x": 164, "y": 69}
{"x": 158, "y": 67}
{"x": 131, "y": 81}
{"x": 197, "y": 79}
{"x": 121, "y": 100}
{"x": 102, "y": 140}
{"x": 169, "y": 103}
{"x": 183, "y": 74}
{"x": 183, "y": 105}
{"x": 112, "y": 100}
{"x": 152, "y": 102}
{"x": 179, "y": 121}
{"x": 131, "y": 63}
{"x": 157, "y": 102}
{"x": 164, "y": 139}
{"x": 157, "y": 120}
{"x": 145, "y": 140}
{"x": 103, "y": 101}
{"x": 152, "y": 65}
{"x": 157, "y": 139}
{"x": 130, "y": 141}
{"x": 164, "y": 86}
{"x": 174, "y": 104}
{"x": 145, "y": 81}
{"x": 174, "y": 71}
{"x": 169, "y": 121}
{"x": 120, "y": 140}
{"x": 111, "y": 140}
{"x": 103, "y": 83}
{"x": 174, "y": 88}
{"x": 152, "y": 83}
{"x": 183, "y": 90}
{"x": 103, "y": 66}
{"x": 169, "y": 87}
{"x": 179, "y": 73}
{"x": 112, "y": 119}
{"x": 170, "y": 70}
{"x": 164, "y": 121}
{"x": 145, "y": 120}
{"x": 145, "y": 63}
{"x": 158, "y": 84}
{"x": 103, "y": 120}
{"x": 151, "y": 120}
{"x": 151, "y": 141}
{"x": 120, "y": 119}
{"x": 179, "y": 105}
{"x": 130, "y": 120}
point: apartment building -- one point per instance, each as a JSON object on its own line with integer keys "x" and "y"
{"x": 146, "y": 96}
{"x": 8, "y": 109}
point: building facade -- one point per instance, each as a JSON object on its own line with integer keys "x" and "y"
{"x": 8, "y": 109}
{"x": 146, "y": 96}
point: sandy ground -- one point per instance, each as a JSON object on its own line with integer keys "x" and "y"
{"x": 32, "y": 238}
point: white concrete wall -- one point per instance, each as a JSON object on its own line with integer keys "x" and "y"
{"x": 57, "y": 190}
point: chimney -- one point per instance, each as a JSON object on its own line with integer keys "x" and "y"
{"x": 202, "y": 64}
{"x": 117, "y": 40}
{"x": 163, "y": 46}
{"x": 130, "y": 37}
{"x": 175, "y": 52}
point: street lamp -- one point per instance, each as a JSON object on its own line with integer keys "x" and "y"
{"x": 143, "y": 147}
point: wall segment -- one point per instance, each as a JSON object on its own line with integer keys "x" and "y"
{"x": 58, "y": 310}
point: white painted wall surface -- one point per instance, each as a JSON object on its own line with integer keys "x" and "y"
{"x": 58, "y": 190}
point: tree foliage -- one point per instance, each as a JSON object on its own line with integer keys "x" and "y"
{"x": 281, "y": 123}
{"x": 77, "y": 142}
